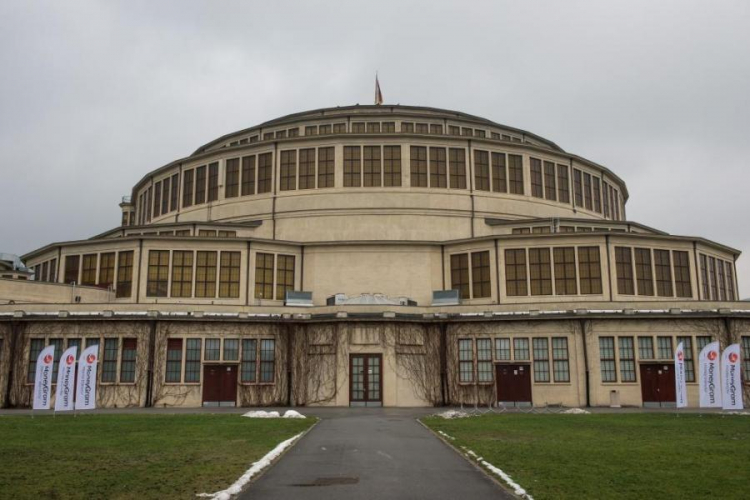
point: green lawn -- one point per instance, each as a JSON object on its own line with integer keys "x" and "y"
{"x": 612, "y": 455}
{"x": 132, "y": 456}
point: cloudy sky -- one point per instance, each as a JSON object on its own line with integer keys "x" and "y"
{"x": 95, "y": 94}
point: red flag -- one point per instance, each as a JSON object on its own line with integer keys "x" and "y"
{"x": 378, "y": 94}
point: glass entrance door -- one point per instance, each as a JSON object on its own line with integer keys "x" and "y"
{"x": 365, "y": 380}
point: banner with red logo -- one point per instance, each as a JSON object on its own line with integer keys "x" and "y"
{"x": 731, "y": 382}
{"x": 43, "y": 378}
{"x": 679, "y": 377}
{"x": 66, "y": 376}
{"x": 709, "y": 378}
{"x": 86, "y": 390}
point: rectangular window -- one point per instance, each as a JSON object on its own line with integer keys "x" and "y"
{"x": 563, "y": 184}
{"x": 232, "y": 178}
{"x": 158, "y": 273}
{"x": 605, "y": 199}
{"x": 701, "y": 341}
{"x": 174, "y": 361}
{"x": 249, "y": 360}
{"x": 436, "y": 129}
{"x": 373, "y": 128}
{"x": 597, "y": 195}
{"x": 127, "y": 364}
{"x": 746, "y": 358}
{"x": 307, "y": 168}
{"x": 352, "y": 166}
{"x": 663, "y": 267}
{"x": 35, "y": 349}
{"x": 541, "y": 360}
{"x": 687, "y": 348}
{"x": 182, "y": 273}
{"x": 407, "y": 127}
{"x": 480, "y": 274}
{"x": 88, "y": 273}
{"x": 521, "y": 349}
{"x": 248, "y": 175}
{"x": 484, "y": 360}
{"x": 683, "y": 285}
{"x": 125, "y": 274}
{"x": 265, "y": 173}
{"x": 589, "y": 268}
{"x": 175, "y": 192}
{"x": 540, "y": 271}
{"x": 389, "y": 127}
{"x": 499, "y": 174}
{"x": 665, "y": 347}
{"x": 325, "y": 167}
{"x": 284, "y": 276}
{"x": 187, "y": 188}
{"x": 288, "y": 177}
{"x": 157, "y": 200}
{"x": 722, "y": 280}
{"x": 578, "y": 187}
{"x": 372, "y": 166}
{"x": 565, "y": 271}
{"x": 264, "y": 275}
{"x": 418, "y": 166}
{"x": 205, "y": 275}
{"x": 515, "y": 174}
{"x": 391, "y": 166}
{"x": 537, "y": 187}
{"x": 339, "y": 128}
{"x": 107, "y": 269}
{"x": 627, "y": 359}
{"x": 193, "y": 360}
{"x": 109, "y": 360}
{"x": 438, "y": 172}
{"x": 624, "y": 264}
{"x": 481, "y": 171}
{"x": 502, "y": 349}
{"x": 712, "y": 278}
{"x": 561, "y": 365}
{"x": 587, "y": 191}
{"x": 58, "y": 343}
{"x": 729, "y": 274}
{"x": 72, "y": 266}
{"x": 213, "y": 349}
{"x": 229, "y": 275}
{"x": 550, "y": 189}
{"x": 231, "y": 349}
{"x": 646, "y": 348}
{"x": 165, "y": 198}
{"x": 643, "y": 273}
{"x": 460, "y": 274}
{"x": 311, "y": 130}
{"x": 200, "y": 185}
{"x": 607, "y": 359}
{"x": 267, "y": 360}
{"x": 465, "y": 360}
{"x": 515, "y": 273}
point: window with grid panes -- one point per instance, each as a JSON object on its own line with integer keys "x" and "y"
{"x": 358, "y": 128}
{"x": 663, "y": 268}
{"x": 722, "y": 281}
{"x": 407, "y": 127}
{"x": 281, "y": 134}
{"x": 35, "y": 349}
{"x": 205, "y": 274}
{"x": 265, "y": 173}
{"x": 537, "y": 187}
{"x": 480, "y": 274}
{"x": 352, "y": 166}
{"x": 701, "y": 341}
{"x": 288, "y": 173}
{"x": 438, "y": 168}
{"x": 590, "y": 271}
{"x": 232, "y": 178}
{"x": 267, "y": 136}
{"x": 157, "y": 200}
{"x": 388, "y": 127}
{"x": 665, "y": 347}
{"x": 480, "y": 133}
{"x": 88, "y": 273}
{"x": 624, "y": 265}
{"x": 418, "y": 166}
{"x": 248, "y": 175}
{"x": 58, "y": 343}
{"x": 565, "y": 271}
{"x": 481, "y": 171}
{"x": 264, "y": 275}
{"x": 465, "y": 360}
{"x": 193, "y": 360}
{"x": 502, "y": 349}
{"x": 231, "y": 349}
{"x": 127, "y": 363}
{"x": 466, "y": 131}
{"x": 284, "y": 275}
{"x": 421, "y": 128}
{"x": 521, "y": 349}
{"x": 712, "y": 278}
{"x": 550, "y": 189}
{"x": 72, "y": 266}
{"x": 541, "y": 360}
{"x": 643, "y": 273}
{"x": 484, "y": 360}
{"x": 173, "y": 373}
{"x": 515, "y": 174}
{"x": 106, "y": 269}
{"x": 460, "y": 274}
{"x": 267, "y": 360}
{"x": 175, "y": 192}
{"x": 324, "y": 129}
{"x": 605, "y": 199}
{"x": 165, "y": 198}
{"x": 391, "y": 166}
{"x": 499, "y": 175}
{"x": 372, "y": 166}
{"x": 158, "y": 273}
{"x": 540, "y": 271}
{"x": 646, "y": 347}
{"x": 681, "y": 263}
{"x": 587, "y": 198}
{"x": 373, "y": 128}
{"x": 453, "y": 130}
{"x": 607, "y": 359}
{"x": 339, "y": 128}
{"x": 325, "y": 167}
{"x": 307, "y": 168}
{"x": 187, "y": 188}
{"x": 249, "y": 360}
{"x": 200, "y": 185}
{"x": 541, "y": 230}
{"x": 436, "y": 129}
{"x": 213, "y": 349}
{"x": 687, "y": 347}
{"x": 560, "y": 362}
{"x": 730, "y": 279}
{"x": 597, "y": 195}
{"x": 563, "y": 184}
{"x": 182, "y": 273}
{"x": 229, "y": 275}
{"x": 521, "y": 230}
{"x": 578, "y": 187}
{"x": 311, "y": 130}
{"x": 746, "y": 358}
{"x": 627, "y": 359}
{"x": 515, "y": 273}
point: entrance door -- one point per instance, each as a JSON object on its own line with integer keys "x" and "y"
{"x": 657, "y": 384}
{"x": 365, "y": 380}
{"x": 513, "y": 384}
{"x": 219, "y": 385}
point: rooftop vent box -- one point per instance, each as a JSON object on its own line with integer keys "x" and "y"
{"x": 445, "y": 298}
{"x": 337, "y": 299}
{"x": 298, "y": 299}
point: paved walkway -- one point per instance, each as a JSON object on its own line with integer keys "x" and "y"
{"x": 373, "y": 453}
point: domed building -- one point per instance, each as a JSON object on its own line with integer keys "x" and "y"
{"x": 377, "y": 255}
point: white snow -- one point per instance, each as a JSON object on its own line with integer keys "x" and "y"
{"x": 252, "y": 471}
{"x": 738, "y": 413}
{"x": 293, "y": 414}
{"x": 262, "y": 414}
{"x": 450, "y": 414}
{"x": 577, "y": 411}
{"x": 446, "y": 435}
{"x": 517, "y": 489}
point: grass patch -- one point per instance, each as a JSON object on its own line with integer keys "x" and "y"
{"x": 132, "y": 456}
{"x": 612, "y": 455}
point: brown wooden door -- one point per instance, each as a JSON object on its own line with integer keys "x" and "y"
{"x": 365, "y": 380}
{"x": 513, "y": 383}
{"x": 219, "y": 385}
{"x": 650, "y": 383}
{"x": 667, "y": 391}
{"x": 657, "y": 383}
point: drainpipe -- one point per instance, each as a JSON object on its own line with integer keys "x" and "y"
{"x": 150, "y": 372}
{"x": 444, "y": 389}
{"x": 586, "y": 363}
{"x": 14, "y": 332}
{"x": 289, "y": 340}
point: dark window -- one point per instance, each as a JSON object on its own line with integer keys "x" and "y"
{"x": 232, "y": 181}
{"x": 484, "y": 360}
{"x": 722, "y": 280}
{"x": 480, "y": 275}
{"x": 499, "y": 174}
{"x": 537, "y": 188}
{"x": 560, "y": 359}
{"x": 373, "y": 128}
{"x": 421, "y": 128}
{"x": 35, "y": 349}
{"x": 541, "y": 360}
{"x": 389, "y": 127}
{"x": 174, "y": 361}
{"x": 182, "y": 273}
{"x": 521, "y": 349}
{"x": 58, "y": 343}
{"x": 187, "y": 188}
{"x": 213, "y": 349}
{"x": 158, "y": 273}
{"x": 712, "y": 278}
{"x": 200, "y": 185}
{"x": 466, "y": 360}
{"x": 229, "y": 275}
{"x": 436, "y": 129}
{"x": 540, "y": 271}
{"x": 686, "y": 275}
{"x": 550, "y": 189}
{"x": 460, "y": 274}
{"x": 481, "y": 171}
{"x": 352, "y": 166}
{"x": 683, "y": 285}
{"x": 687, "y": 347}
{"x": 663, "y": 268}
{"x": 193, "y": 360}
{"x": 284, "y": 275}
{"x": 565, "y": 271}
{"x": 515, "y": 273}
{"x": 646, "y": 347}
{"x": 578, "y": 187}
{"x": 175, "y": 192}
{"x": 457, "y": 160}
{"x": 88, "y": 273}
{"x": 248, "y": 175}
{"x": 597, "y": 195}
{"x": 665, "y": 347}
{"x": 590, "y": 271}
{"x": 358, "y": 128}
{"x": 438, "y": 172}
{"x": 231, "y": 349}
{"x": 249, "y": 360}
{"x": 264, "y": 275}
{"x": 418, "y": 166}
{"x": 607, "y": 359}
{"x": 307, "y": 168}
{"x": 502, "y": 349}
{"x": 624, "y": 263}
{"x": 165, "y": 198}
{"x": 267, "y": 360}
{"x": 157, "y": 199}
{"x": 288, "y": 177}
{"x": 627, "y": 359}
{"x": 391, "y": 166}
{"x": 265, "y": 173}
{"x": 643, "y": 272}
{"x": 587, "y": 191}
{"x": 407, "y": 127}
{"x": 109, "y": 360}
{"x": 372, "y": 166}
{"x": 125, "y": 274}
{"x": 107, "y": 269}
{"x": 746, "y": 358}
{"x": 515, "y": 174}
{"x": 605, "y": 199}
{"x": 325, "y": 167}
{"x": 205, "y": 275}
{"x": 127, "y": 365}
{"x": 311, "y": 130}
{"x": 563, "y": 184}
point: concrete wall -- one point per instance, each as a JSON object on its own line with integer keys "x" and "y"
{"x": 22, "y": 291}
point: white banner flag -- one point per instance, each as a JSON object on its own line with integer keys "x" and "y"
{"x": 66, "y": 376}
{"x": 679, "y": 377}
{"x": 86, "y": 390}
{"x": 43, "y": 378}
{"x": 730, "y": 380}
{"x": 709, "y": 378}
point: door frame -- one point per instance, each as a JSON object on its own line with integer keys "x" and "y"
{"x": 661, "y": 403}
{"x": 366, "y": 379}
{"x": 527, "y": 366}
{"x": 206, "y": 366}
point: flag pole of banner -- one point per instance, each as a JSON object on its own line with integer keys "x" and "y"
{"x": 731, "y": 380}
{"x": 86, "y": 390}
{"x": 679, "y": 376}
{"x": 66, "y": 375}
{"x": 378, "y": 93}
{"x": 709, "y": 377}
{"x": 43, "y": 378}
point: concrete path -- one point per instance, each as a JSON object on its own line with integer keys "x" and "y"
{"x": 373, "y": 453}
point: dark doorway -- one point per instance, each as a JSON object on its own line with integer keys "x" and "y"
{"x": 365, "y": 380}
{"x": 657, "y": 384}
{"x": 513, "y": 384}
{"x": 219, "y": 385}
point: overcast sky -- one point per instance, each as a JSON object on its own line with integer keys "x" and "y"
{"x": 95, "y": 94}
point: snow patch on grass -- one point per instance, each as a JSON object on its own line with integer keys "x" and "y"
{"x": 745, "y": 413}
{"x": 258, "y": 466}
{"x": 273, "y": 414}
{"x": 446, "y": 435}
{"x": 517, "y": 489}
{"x": 451, "y": 414}
{"x": 293, "y": 414}
{"x": 576, "y": 411}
